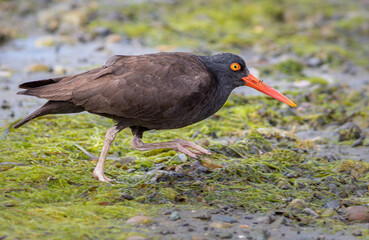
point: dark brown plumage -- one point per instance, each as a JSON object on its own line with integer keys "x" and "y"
{"x": 153, "y": 91}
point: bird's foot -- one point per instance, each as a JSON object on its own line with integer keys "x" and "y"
{"x": 190, "y": 148}
{"x": 99, "y": 175}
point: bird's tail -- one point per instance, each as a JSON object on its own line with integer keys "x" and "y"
{"x": 51, "y": 107}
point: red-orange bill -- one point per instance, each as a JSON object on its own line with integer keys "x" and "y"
{"x": 255, "y": 83}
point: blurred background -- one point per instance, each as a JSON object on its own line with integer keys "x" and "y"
{"x": 291, "y": 44}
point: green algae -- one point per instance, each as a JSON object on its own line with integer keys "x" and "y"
{"x": 48, "y": 186}
{"x": 325, "y": 29}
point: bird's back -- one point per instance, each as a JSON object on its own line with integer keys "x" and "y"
{"x": 156, "y": 91}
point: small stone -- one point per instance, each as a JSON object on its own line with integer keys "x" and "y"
{"x": 314, "y": 62}
{"x": 349, "y": 131}
{"x": 140, "y": 220}
{"x": 198, "y": 238}
{"x": 310, "y": 212}
{"x": 58, "y": 69}
{"x": 357, "y": 232}
{"x": 302, "y": 84}
{"x": 224, "y": 218}
{"x": 358, "y": 142}
{"x": 113, "y": 38}
{"x": 183, "y": 157}
{"x": 328, "y": 213}
{"x": 357, "y": 213}
{"x": 102, "y": 31}
{"x": 259, "y": 234}
{"x": 297, "y": 203}
{"x": 127, "y": 196}
{"x": 45, "y": 41}
{"x": 220, "y": 225}
{"x": 174, "y": 216}
{"x": 5, "y": 104}
{"x": 334, "y": 204}
{"x": 206, "y": 217}
{"x": 136, "y": 238}
{"x": 38, "y": 67}
{"x": 225, "y": 235}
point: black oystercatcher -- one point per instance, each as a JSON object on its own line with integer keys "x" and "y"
{"x": 152, "y": 91}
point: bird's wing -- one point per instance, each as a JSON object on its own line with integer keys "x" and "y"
{"x": 149, "y": 86}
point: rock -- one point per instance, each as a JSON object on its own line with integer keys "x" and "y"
{"x": 6, "y": 73}
{"x": 136, "y": 238}
{"x": 58, "y": 69}
{"x": 302, "y": 84}
{"x": 126, "y": 196}
{"x": 183, "y": 157}
{"x": 220, "y": 225}
{"x": 314, "y": 62}
{"x": 45, "y": 41}
{"x": 334, "y": 204}
{"x": 206, "y": 217}
{"x": 113, "y": 38}
{"x": 297, "y": 203}
{"x": 358, "y": 142}
{"x": 224, "y": 218}
{"x": 357, "y": 233}
{"x": 225, "y": 235}
{"x": 102, "y": 31}
{"x": 198, "y": 238}
{"x": 310, "y": 212}
{"x": 357, "y": 213}
{"x": 38, "y": 67}
{"x": 328, "y": 213}
{"x": 259, "y": 234}
{"x": 174, "y": 216}
{"x": 5, "y": 104}
{"x": 140, "y": 220}
{"x": 349, "y": 131}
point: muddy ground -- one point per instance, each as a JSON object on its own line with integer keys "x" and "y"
{"x": 275, "y": 172}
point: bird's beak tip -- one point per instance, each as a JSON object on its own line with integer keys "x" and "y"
{"x": 259, "y": 85}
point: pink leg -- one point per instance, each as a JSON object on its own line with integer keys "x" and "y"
{"x": 180, "y": 145}
{"x": 98, "y": 172}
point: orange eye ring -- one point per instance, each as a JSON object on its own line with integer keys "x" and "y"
{"x": 235, "y": 66}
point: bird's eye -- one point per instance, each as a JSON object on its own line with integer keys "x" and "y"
{"x": 235, "y": 66}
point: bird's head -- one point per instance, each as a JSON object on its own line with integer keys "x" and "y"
{"x": 232, "y": 69}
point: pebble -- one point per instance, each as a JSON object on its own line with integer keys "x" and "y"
{"x": 140, "y": 220}
{"x": 198, "y": 238}
{"x": 357, "y": 232}
{"x": 59, "y": 69}
{"x": 136, "y": 238}
{"x": 259, "y": 234}
{"x": 5, "y": 104}
{"x": 358, "y": 142}
{"x": 127, "y": 196}
{"x": 224, "y": 218}
{"x": 174, "y": 216}
{"x": 38, "y": 67}
{"x": 328, "y": 213}
{"x": 314, "y": 62}
{"x": 225, "y": 235}
{"x": 310, "y": 212}
{"x": 205, "y": 216}
{"x": 297, "y": 203}
{"x": 113, "y": 38}
{"x": 334, "y": 204}
{"x": 357, "y": 213}
{"x": 102, "y": 31}
{"x": 183, "y": 157}
{"x": 349, "y": 131}
{"x": 220, "y": 225}
{"x": 45, "y": 41}
{"x": 302, "y": 84}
